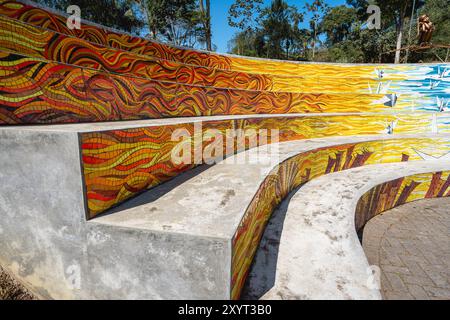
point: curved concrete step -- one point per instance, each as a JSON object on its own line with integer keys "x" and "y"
{"x": 311, "y": 250}
{"x": 233, "y": 202}
{"x": 115, "y": 169}
{"x": 190, "y": 239}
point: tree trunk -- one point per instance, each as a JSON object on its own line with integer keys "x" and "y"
{"x": 399, "y": 26}
{"x": 151, "y": 26}
{"x": 399, "y": 43}
{"x": 205, "y": 9}
{"x": 208, "y": 28}
{"x": 314, "y": 42}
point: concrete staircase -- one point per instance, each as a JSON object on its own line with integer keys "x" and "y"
{"x": 93, "y": 201}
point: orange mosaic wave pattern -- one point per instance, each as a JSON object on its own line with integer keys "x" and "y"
{"x": 33, "y": 91}
{"x": 400, "y": 191}
{"x": 40, "y": 17}
{"x": 118, "y": 164}
{"x": 21, "y": 38}
{"x": 117, "y": 81}
{"x": 54, "y": 21}
{"x": 304, "y": 167}
{"x": 50, "y": 74}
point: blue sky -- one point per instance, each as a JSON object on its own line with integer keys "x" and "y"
{"x": 222, "y": 32}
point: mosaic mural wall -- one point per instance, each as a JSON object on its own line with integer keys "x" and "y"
{"x": 47, "y": 19}
{"x": 397, "y": 192}
{"x": 50, "y": 74}
{"x": 33, "y": 91}
{"x": 118, "y": 164}
{"x": 306, "y": 166}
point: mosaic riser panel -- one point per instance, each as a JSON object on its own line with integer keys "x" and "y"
{"x": 443, "y": 123}
{"x": 121, "y": 163}
{"x": 43, "y": 18}
{"x": 50, "y": 74}
{"x": 306, "y": 166}
{"x": 95, "y": 34}
{"x": 32, "y": 91}
{"x": 128, "y": 93}
{"x": 22, "y": 38}
{"x": 397, "y": 192}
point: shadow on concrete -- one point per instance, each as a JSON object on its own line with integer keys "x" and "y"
{"x": 152, "y": 194}
{"x": 261, "y": 277}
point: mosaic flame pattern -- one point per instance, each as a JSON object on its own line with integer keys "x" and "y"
{"x": 33, "y": 91}
{"x": 35, "y": 42}
{"x": 302, "y": 168}
{"x": 95, "y": 34}
{"x": 138, "y": 78}
{"x": 118, "y": 164}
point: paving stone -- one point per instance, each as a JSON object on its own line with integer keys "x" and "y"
{"x": 396, "y": 295}
{"x": 395, "y": 269}
{"x": 418, "y": 292}
{"x": 396, "y": 281}
{"x": 413, "y": 251}
{"x": 438, "y": 292}
{"x": 416, "y": 279}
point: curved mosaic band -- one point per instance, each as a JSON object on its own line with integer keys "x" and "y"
{"x": 394, "y": 193}
{"x": 309, "y": 165}
{"x": 118, "y": 164}
{"x": 21, "y": 38}
{"x": 116, "y": 84}
{"x": 36, "y": 92}
{"x": 27, "y": 12}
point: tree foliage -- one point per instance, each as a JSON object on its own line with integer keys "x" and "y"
{"x": 339, "y": 24}
{"x": 243, "y": 14}
{"x": 175, "y": 21}
{"x": 277, "y": 35}
{"x": 119, "y": 14}
{"x": 205, "y": 18}
{"x": 276, "y": 29}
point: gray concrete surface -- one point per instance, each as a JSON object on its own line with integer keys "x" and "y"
{"x": 411, "y": 245}
{"x": 310, "y": 249}
{"x": 119, "y": 125}
{"x": 220, "y": 194}
{"x": 41, "y": 209}
{"x": 47, "y": 244}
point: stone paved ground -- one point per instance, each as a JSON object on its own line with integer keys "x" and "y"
{"x": 411, "y": 245}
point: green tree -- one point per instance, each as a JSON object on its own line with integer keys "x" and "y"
{"x": 277, "y": 34}
{"x": 119, "y": 14}
{"x": 394, "y": 14}
{"x": 317, "y": 9}
{"x": 205, "y": 18}
{"x": 278, "y": 22}
{"x": 338, "y": 24}
{"x": 243, "y": 14}
{"x": 175, "y": 21}
{"x": 248, "y": 42}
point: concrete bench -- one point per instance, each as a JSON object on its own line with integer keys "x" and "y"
{"x": 193, "y": 237}
{"x": 311, "y": 248}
